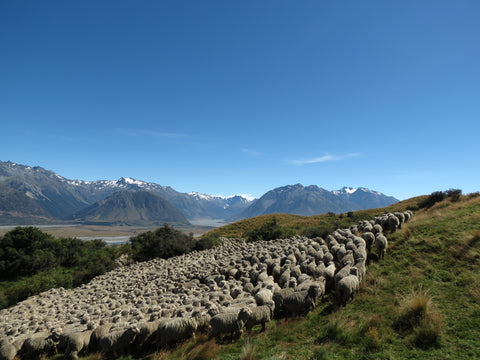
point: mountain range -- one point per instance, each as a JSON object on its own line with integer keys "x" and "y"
{"x": 34, "y": 195}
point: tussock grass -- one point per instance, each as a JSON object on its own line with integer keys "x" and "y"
{"x": 249, "y": 351}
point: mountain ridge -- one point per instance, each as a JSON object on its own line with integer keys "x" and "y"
{"x": 48, "y": 197}
{"x": 311, "y": 200}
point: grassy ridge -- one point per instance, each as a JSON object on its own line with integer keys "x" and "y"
{"x": 303, "y": 223}
{"x": 421, "y": 302}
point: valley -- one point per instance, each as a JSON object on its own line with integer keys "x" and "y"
{"x": 104, "y": 231}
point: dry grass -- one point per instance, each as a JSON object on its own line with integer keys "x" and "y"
{"x": 418, "y": 316}
{"x": 249, "y": 351}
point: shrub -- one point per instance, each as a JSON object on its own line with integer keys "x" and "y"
{"x": 269, "y": 231}
{"x": 164, "y": 242}
{"x": 318, "y": 231}
{"x": 454, "y": 194}
{"x": 434, "y": 198}
{"x": 207, "y": 242}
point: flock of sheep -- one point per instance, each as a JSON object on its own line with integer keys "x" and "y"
{"x": 146, "y": 306}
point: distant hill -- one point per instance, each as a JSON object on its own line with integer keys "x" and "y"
{"x": 311, "y": 200}
{"x": 132, "y": 207}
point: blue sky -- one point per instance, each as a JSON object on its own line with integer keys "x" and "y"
{"x": 240, "y": 97}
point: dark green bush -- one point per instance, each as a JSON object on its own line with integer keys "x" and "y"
{"x": 269, "y": 231}
{"x": 207, "y": 242}
{"x": 434, "y": 198}
{"x": 454, "y": 194}
{"x": 318, "y": 231}
{"x": 164, "y": 242}
{"x": 32, "y": 261}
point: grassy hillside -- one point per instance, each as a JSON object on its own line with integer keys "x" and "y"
{"x": 303, "y": 224}
{"x": 421, "y": 302}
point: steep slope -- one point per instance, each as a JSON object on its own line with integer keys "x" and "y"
{"x": 132, "y": 207}
{"x": 300, "y": 200}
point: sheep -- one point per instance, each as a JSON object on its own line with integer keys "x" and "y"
{"x": 361, "y": 268}
{"x": 393, "y": 223}
{"x": 76, "y": 342}
{"x": 39, "y": 344}
{"x": 257, "y": 315}
{"x": 175, "y": 330}
{"x": 97, "y": 334}
{"x": 369, "y": 238}
{"x": 329, "y": 274}
{"x": 347, "y": 286}
{"x": 361, "y": 252}
{"x": 279, "y": 297}
{"x": 226, "y": 323}
{"x": 316, "y": 287}
{"x": 300, "y": 302}
{"x": 117, "y": 342}
{"x": 377, "y": 228}
{"x": 344, "y": 271}
{"x": 147, "y": 335}
{"x": 7, "y": 350}
{"x": 381, "y": 243}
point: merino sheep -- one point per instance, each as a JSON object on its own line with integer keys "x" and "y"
{"x": 263, "y": 296}
{"x": 39, "y": 344}
{"x": 257, "y": 315}
{"x": 7, "y": 350}
{"x": 226, "y": 323}
{"x": 175, "y": 330}
{"x": 347, "y": 286}
{"x": 76, "y": 342}
{"x": 369, "y": 238}
{"x": 381, "y": 243}
{"x": 300, "y": 302}
{"x": 118, "y": 342}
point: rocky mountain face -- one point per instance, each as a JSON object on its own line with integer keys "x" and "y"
{"x": 311, "y": 200}
{"x": 130, "y": 207}
{"x": 33, "y": 195}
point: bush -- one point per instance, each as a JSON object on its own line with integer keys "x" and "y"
{"x": 434, "y": 198}
{"x": 207, "y": 242}
{"x": 454, "y": 194}
{"x": 32, "y": 261}
{"x": 318, "y": 231}
{"x": 164, "y": 242}
{"x": 269, "y": 231}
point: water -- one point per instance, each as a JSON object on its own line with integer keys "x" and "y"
{"x": 110, "y": 240}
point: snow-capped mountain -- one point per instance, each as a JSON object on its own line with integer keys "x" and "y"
{"x": 310, "y": 200}
{"x": 51, "y": 196}
{"x": 34, "y": 195}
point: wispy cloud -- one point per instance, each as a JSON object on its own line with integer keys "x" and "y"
{"x": 149, "y": 133}
{"x": 251, "y": 152}
{"x": 321, "y": 159}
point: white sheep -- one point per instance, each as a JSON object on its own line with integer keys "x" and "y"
{"x": 119, "y": 341}
{"x": 381, "y": 243}
{"x": 257, "y": 315}
{"x": 175, "y": 330}
{"x": 7, "y": 350}
{"x": 299, "y": 302}
{"x": 76, "y": 342}
{"x": 347, "y": 286}
{"x": 226, "y": 323}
